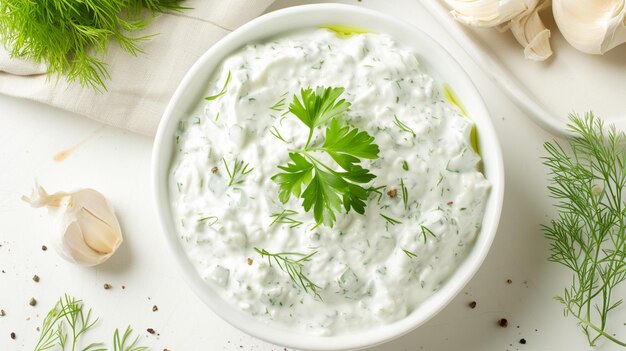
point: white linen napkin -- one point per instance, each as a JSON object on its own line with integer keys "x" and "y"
{"x": 140, "y": 87}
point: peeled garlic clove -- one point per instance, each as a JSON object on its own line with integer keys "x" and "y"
{"x": 89, "y": 231}
{"x": 532, "y": 34}
{"x": 591, "y": 26}
{"x": 486, "y": 13}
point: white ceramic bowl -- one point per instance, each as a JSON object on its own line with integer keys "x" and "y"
{"x": 439, "y": 64}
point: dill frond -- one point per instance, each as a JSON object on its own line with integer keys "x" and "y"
{"x": 588, "y": 236}
{"x": 292, "y": 263}
{"x": 72, "y": 37}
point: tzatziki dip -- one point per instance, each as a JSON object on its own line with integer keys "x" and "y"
{"x": 325, "y": 182}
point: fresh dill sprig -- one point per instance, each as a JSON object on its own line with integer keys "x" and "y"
{"x": 589, "y": 234}
{"x": 210, "y": 220}
{"x": 405, "y": 194}
{"x": 280, "y": 104}
{"x": 327, "y": 188}
{"x": 285, "y": 218}
{"x": 425, "y": 232}
{"x": 120, "y": 343}
{"x": 274, "y": 131}
{"x": 409, "y": 253}
{"x": 377, "y": 190}
{"x": 72, "y": 37}
{"x": 390, "y": 220}
{"x": 65, "y": 326}
{"x": 237, "y": 172}
{"x": 288, "y": 263}
{"x": 222, "y": 92}
{"x": 403, "y": 126}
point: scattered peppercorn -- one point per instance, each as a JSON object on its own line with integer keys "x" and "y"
{"x": 472, "y": 304}
{"x": 151, "y": 331}
{"x": 250, "y": 261}
{"x": 503, "y": 322}
{"x": 13, "y": 335}
{"x": 107, "y": 286}
{"x": 522, "y": 341}
{"x": 36, "y": 278}
{"x": 2, "y": 313}
{"x": 44, "y": 248}
{"x": 123, "y": 286}
{"x": 214, "y": 169}
{"x": 32, "y": 301}
{"x": 509, "y": 281}
{"x": 155, "y": 308}
{"x": 393, "y": 192}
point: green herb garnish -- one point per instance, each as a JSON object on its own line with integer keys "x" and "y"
{"x": 409, "y": 253}
{"x": 210, "y": 220}
{"x": 72, "y": 37}
{"x": 589, "y": 234}
{"x": 284, "y": 217}
{"x": 403, "y": 126}
{"x": 405, "y": 194}
{"x": 66, "y": 324}
{"x": 327, "y": 188}
{"x": 276, "y": 133}
{"x": 293, "y": 267}
{"x": 237, "y": 172}
{"x": 120, "y": 343}
{"x": 318, "y": 107}
{"x": 222, "y": 92}
{"x": 280, "y": 104}
{"x": 390, "y": 220}
{"x": 425, "y": 232}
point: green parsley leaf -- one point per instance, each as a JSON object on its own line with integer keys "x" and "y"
{"x": 328, "y": 187}
{"x": 318, "y": 107}
{"x": 295, "y": 174}
{"x": 345, "y": 145}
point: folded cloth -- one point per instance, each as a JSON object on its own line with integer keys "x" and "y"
{"x": 140, "y": 86}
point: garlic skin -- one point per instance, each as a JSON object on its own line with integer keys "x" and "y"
{"x": 521, "y": 16}
{"x": 532, "y": 34}
{"x": 591, "y": 26}
{"x": 89, "y": 233}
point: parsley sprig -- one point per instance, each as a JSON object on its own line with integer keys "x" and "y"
{"x": 327, "y": 187}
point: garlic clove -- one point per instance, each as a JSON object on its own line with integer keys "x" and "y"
{"x": 97, "y": 204}
{"x": 97, "y": 234}
{"x": 73, "y": 247}
{"x": 89, "y": 230}
{"x": 486, "y": 13}
{"x": 521, "y": 16}
{"x": 591, "y": 26}
{"x": 532, "y": 34}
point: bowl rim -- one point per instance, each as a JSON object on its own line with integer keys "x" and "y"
{"x": 161, "y": 160}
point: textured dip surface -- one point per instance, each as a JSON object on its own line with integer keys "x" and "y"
{"x": 372, "y": 269}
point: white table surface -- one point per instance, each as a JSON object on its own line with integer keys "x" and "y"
{"x": 117, "y": 163}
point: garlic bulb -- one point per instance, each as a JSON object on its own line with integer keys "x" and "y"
{"x": 89, "y": 232}
{"x": 486, "y": 13}
{"x": 591, "y": 26}
{"x": 521, "y": 16}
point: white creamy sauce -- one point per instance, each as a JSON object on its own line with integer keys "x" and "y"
{"x": 370, "y": 271}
